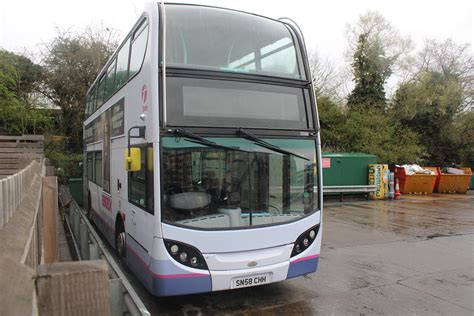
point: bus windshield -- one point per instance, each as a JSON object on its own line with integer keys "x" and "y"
{"x": 225, "y": 40}
{"x": 208, "y": 187}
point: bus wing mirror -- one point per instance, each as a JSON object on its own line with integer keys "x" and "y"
{"x": 133, "y": 159}
{"x": 141, "y": 132}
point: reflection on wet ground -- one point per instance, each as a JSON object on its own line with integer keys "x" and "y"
{"x": 413, "y": 256}
{"x": 415, "y": 216}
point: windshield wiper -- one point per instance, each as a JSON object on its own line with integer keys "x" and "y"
{"x": 262, "y": 143}
{"x": 194, "y": 138}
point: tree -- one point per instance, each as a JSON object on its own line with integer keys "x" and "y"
{"x": 429, "y": 104}
{"x": 331, "y": 119}
{"x": 26, "y": 75}
{"x": 72, "y": 61}
{"x": 19, "y": 79}
{"x": 379, "y": 32}
{"x": 452, "y": 60}
{"x": 368, "y": 131}
{"x": 376, "y": 133}
{"x": 370, "y": 75}
{"x": 435, "y": 98}
{"x": 327, "y": 80}
{"x": 464, "y": 138}
{"x": 376, "y": 49}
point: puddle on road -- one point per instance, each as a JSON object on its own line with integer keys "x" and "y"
{"x": 413, "y": 216}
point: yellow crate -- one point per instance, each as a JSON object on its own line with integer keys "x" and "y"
{"x": 378, "y": 176}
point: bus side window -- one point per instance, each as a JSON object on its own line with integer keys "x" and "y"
{"x": 98, "y": 168}
{"x": 122, "y": 65}
{"x": 140, "y": 185}
{"x": 90, "y": 167}
{"x": 138, "y": 50}
{"x": 88, "y": 105}
{"x": 110, "y": 81}
{"x": 93, "y": 105}
{"x": 101, "y": 91}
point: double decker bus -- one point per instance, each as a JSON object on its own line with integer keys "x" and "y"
{"x": 202, "y": 151}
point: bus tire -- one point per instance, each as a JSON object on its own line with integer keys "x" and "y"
{"x": 120, "y": 242}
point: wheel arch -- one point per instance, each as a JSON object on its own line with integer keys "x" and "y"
{"x": 119, "y": 220}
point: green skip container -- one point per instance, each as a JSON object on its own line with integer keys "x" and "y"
{"x": 342, "y": 169}
{"x": 75, "y": 188}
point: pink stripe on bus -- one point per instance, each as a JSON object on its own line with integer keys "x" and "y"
{"x": 306, "y": 258}
{"x": 163, "y": 276}
{"x": 172, "y": 276}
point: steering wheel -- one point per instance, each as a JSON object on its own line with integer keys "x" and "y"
{"x": 271, "y": 205}
{"x": 173, "y": 188}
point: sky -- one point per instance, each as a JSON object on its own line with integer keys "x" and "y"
{"x": 25, "y": 24}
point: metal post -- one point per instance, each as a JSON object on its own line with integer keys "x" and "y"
{"x": 84, "y": 241}
{"x": 132, "y": 307}
{"x": 94, "y": 252}
{"x": 70, "y": 214}
{"x": 116, "y": 297}
{"x": 76, "y": 223}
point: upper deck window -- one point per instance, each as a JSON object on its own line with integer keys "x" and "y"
{"x": 224, "y": 40}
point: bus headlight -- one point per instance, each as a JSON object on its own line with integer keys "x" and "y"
{"x": 174, "y": 249}
{"x": 182, "y": 252}
{"x": 305, "y": 240}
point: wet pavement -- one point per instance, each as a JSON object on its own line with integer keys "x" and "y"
{"x": 409, "y": 257}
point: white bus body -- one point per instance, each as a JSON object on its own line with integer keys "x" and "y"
{"x": 227, "y": 189}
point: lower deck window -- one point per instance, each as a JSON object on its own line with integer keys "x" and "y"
{"x": 90, "y": 166}
{"x": 98, "y": 168}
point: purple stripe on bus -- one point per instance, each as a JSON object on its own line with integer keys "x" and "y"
{"x": 303, "y": 266}
{"x": 107, "y": 229}
{"x": 161, "y": 284}
{"x": 181, "y": 286}
{"x": 158, "y": 269}
{"x": 138, "y": 266}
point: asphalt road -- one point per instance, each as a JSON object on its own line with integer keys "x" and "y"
{"x": 409, "y": 257}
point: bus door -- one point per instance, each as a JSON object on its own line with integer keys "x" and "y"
{"x": 140, "y": 196}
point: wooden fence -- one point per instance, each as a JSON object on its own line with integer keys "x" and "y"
{"x": 32, "y": 281}
{"x": 16, "y": 152}
{"x": 21, "y": 249}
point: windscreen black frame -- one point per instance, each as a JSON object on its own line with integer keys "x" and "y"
{"x": 176, "y": 106}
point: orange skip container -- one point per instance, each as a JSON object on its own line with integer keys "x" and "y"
{"x": 416, "y": 183}
{"x": 453, "y": 183}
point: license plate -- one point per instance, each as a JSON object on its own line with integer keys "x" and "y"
{"x": 251, "y": 280}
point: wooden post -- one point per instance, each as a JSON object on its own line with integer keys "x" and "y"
{"x": 2, "y": 201}
{"x": 49, "y": 171}
{"x": 16, "y": 282}
{"x": 73, "y": 288}
{"x": 50, "y": 213}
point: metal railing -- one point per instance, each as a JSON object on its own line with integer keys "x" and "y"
{"x": 349, "y": 189}
{"x": 89, "y": 246}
